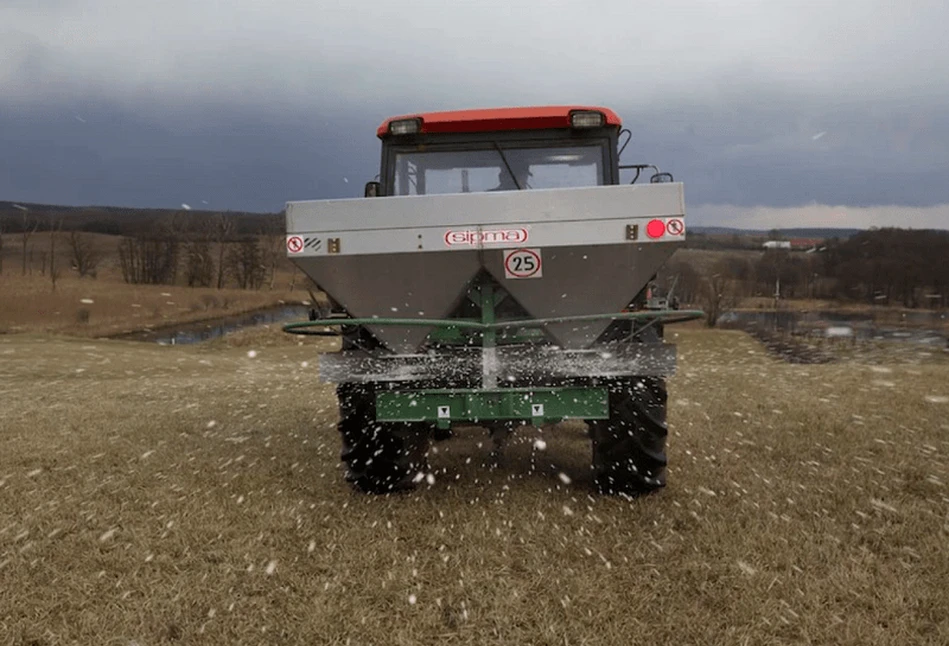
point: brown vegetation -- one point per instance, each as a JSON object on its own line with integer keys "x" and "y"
{"x": 193, "y": 495}
{"x": 158, "y": 247}
{"x": 85, "y": 258}
{"x": 29, "y": 304}
{"x": 28, "y": 227}
{"x": 176, "y": 268}
{"x": 880, "y": 267}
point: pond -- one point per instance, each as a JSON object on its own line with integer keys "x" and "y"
{"x": 927, "y": 328}
{"x": 189, "y": 333}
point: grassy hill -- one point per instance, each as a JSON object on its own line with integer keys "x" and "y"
{"x": 824, "y": 233}
{"x": 115, "y": 220}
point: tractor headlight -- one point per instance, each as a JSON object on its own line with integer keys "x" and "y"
{"x": 587, "y": 119}
{"x": 405, "y": 127}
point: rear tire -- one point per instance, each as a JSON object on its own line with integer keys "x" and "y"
{"x": 629, "y": 449}
{"x": 380, "y": 457}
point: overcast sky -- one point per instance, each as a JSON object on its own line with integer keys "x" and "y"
{"x": 773, "y": 112}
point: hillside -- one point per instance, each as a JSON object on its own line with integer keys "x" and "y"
{"x": 823, "y": 233}
{"x": 117, "y": 220}
{"x": 114, "y": 220}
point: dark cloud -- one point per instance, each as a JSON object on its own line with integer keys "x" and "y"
{"x": 780, "y": 151}
{"x": 90, "y": 153}
{"x": 771, "y": 104}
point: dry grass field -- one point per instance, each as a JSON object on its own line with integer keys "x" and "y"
{"x": 106, "y": 305}
{"x": 192, "y": 495}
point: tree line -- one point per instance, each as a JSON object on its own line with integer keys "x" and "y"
{"x": 82, "y": 254}
{"x": 892, "y": 266}
{"x": 886, "y": 266}
{"x": 119, "y": 221}
{"x": 197, "y": 249}
{"x": 204, "y": 252}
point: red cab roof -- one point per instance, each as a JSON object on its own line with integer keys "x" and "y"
{"x": 494, "y": 119}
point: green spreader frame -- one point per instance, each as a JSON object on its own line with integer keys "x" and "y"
{"x": 536, "y": 405}
{"x": 489, "y": 403}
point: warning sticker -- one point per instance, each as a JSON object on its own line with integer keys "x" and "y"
{"x": 294, "y": 244}
{"x": 675, "y": 227}
{"x": 522, "y": 263}
{"x": 444, "y": 412}
{"x": 537, "y": 410}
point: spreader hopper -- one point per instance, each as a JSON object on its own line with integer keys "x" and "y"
{"x": 557, "y": 253}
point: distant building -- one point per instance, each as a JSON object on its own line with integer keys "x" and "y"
{"x": 794, "y": 244}
{"x": 777, "y": 244}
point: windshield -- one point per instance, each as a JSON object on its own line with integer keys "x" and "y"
{"x": 477, "y": 171}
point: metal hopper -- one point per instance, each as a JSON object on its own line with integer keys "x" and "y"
{"x": 414, "y": 257}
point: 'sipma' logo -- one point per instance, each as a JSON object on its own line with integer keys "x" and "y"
{"x": 473, "y": 237}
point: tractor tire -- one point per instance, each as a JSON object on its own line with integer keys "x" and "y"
{"x": 380, "y": 457}
{"x": 629, "y": 449}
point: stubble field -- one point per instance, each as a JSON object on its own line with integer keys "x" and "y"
{"x": 153, "y": 495}
{"x": 108, "y": 306}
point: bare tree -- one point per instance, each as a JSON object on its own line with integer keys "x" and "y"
{"x": 151, "y": 256}
{"x": 720, "y": 291}
{"x": 272, "y": 235}
{"x": 30, "y": 225}
{"x": 85, "y": 258}
{"x": 199, "y": 265}
{"x": 53, "y": 269}
{"x": 222, "y": 228}
{"x": 245, "y": 260}
{"x": 713, "y": 293}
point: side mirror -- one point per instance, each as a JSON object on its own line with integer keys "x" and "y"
{"x": 661, "y": 178}
{"x": 373, "y": 189}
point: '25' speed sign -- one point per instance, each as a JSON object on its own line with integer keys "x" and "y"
{"x": 522, "y": 263}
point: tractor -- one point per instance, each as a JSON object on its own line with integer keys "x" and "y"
{"x": 499, "y": 271}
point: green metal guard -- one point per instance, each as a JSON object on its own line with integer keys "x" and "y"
{"x": 490, "y": 403}
{"x": 536, "y": 405}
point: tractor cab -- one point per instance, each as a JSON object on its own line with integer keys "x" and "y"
{"x": 501, "y": 149}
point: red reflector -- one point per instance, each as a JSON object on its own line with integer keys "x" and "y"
{"x": 655, "y": 228}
